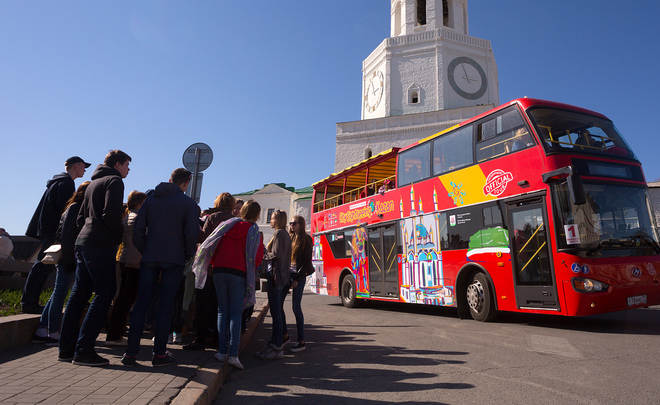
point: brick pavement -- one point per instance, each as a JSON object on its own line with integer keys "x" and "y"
{"x": 31, "y": 374}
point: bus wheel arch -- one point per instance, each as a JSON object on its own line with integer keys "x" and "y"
{"x": 475, "y": 294}
{"x": 348, "y": 290}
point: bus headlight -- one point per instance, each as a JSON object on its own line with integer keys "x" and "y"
{"x": 587, "y": 285}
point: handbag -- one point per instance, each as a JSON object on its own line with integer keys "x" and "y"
{"x": 268, "y": 267}
{"x": 52, "y": 255}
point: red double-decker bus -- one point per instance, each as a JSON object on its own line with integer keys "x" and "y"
{"x": 534, "y": 206}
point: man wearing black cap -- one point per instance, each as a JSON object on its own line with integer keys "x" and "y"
{"x": 43, "y": 226}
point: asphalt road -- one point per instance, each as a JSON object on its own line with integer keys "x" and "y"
{"x": 393, "y": 353}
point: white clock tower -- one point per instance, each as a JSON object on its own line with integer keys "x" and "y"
{"x": 429, "y": 75}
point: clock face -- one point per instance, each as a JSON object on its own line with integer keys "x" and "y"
{"x": 374, "y": 91}
{"x": 467, "y": 78}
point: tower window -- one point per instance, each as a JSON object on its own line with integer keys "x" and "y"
{"x": 414, "y": 94}
{"x": 445, "y": 13}
{"x": 367, "y": 153}
{"x": 421, "y": 12}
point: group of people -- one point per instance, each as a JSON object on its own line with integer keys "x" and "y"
{"x": 156, "y": 239}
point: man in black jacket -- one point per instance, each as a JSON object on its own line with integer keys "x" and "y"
{"x": 96, "y": 246}
{"x": 43, "y": 226}
{"x": 166, "y": 232}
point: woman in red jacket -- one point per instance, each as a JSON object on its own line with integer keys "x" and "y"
{"x": 234, "y": 263}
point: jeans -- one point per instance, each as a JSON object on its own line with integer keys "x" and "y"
{"x": 170, "y": 277}
{"x": 230, "y": 290}
{"x": 297, "y": 310}
{"x": 128, "y": 290}
{"x": 95, "y": 271}
{"x": 275, "y": 304}
{"x": 36, "y": 279}
{"x": 52, "y": 313}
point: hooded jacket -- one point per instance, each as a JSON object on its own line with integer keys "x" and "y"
{"x": 46, "y": 218}
{"x": 167, "y": 226}
{"x": 99, "y": 219}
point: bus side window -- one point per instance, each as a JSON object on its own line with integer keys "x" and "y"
{"x": 443, "y": 232}
{"x": 502, "y": 134}
{"x": 458, "y": 148}
{"x": 465, "y": 226}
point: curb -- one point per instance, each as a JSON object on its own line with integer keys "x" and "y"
{"x": 206, "y": 385}
{"x": 17, "y": 330}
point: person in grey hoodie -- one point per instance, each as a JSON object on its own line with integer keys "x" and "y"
{"x": 99, "y": 221}
{"x": 166, "y": 232}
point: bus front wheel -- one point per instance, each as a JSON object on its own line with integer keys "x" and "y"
{"x": 480, "y": 300}
{"x": 348, "y": 297}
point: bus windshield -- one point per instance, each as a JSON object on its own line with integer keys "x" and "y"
{"x": 567, "y": 131}
{"x": 615, "y": 221}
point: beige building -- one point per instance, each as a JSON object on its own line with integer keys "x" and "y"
{"x": 277, "y": 196}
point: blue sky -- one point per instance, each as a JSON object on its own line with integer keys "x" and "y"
{"x": 263, "y": 83}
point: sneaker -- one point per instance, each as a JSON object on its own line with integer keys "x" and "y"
{"x": 129, "y": 360}
{"x": 66, "y": 357}
{"x": 298, "y": 347}
{"x": 270, "y": 346}
{"x": 273, "y": 354}
{"x": 195, "y": 345}
{"x": 39, "y": 339}
{"x": 119, "y": 342}
{"x": 220, "y": 357}
{"x": 90, "y": 359}
{"x": 163, "y": 360}
{"x": 51, "y": 342}
{"x": 234, "y": 362}
{"x": 176, "y": 338}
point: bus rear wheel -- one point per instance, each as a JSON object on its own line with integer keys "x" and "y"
{"x": 480, "y": 300}
{"x": 348, "y": 297}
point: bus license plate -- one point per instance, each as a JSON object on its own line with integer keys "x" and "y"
{"x": 636, "y": 300}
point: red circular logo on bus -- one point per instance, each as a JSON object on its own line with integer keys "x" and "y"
{"x": 496, "y": 182}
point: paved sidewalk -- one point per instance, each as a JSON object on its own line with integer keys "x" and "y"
{"x": 31, "y": 374}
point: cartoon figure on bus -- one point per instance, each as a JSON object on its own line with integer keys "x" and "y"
{"x": 359, "y": 261}
{"x": 422, "y": 278}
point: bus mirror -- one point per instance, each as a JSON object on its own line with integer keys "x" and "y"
{"x": 575, "y": 189}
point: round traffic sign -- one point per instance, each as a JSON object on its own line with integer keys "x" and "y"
{"x": 197, "y": 157}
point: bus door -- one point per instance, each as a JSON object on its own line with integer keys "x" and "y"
{"x": 383, "y": 266}
{"x": 530, "y": 255}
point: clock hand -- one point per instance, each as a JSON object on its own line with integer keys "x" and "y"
{"x": 465, "y": 71}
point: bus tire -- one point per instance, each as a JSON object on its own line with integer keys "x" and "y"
{"x": 480, "y": 299}
{"x": 348, "y": 297}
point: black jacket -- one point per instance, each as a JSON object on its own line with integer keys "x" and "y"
{"x": 167, "y": 226}
{"x": 304, "y": 265}
{"x": 99, "y": 219}
{"x": 67, "y": 234}
{"x": 46, "y": 218}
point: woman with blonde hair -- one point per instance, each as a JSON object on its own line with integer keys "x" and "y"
{"x": 278, "y": 278}
{"x": 237, "y": 252}
{"x": 301, "y": 267}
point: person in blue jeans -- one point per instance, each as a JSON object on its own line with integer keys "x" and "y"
{"x": 48, "y": 331}
{"x": 165, "y": 232}
{"x": 99, "y": 221}
{"x": 301, "y": 267}
{"x": 237, "y": 252}
{"x": 278, "y": 279}
{"x": 44, "y": 224}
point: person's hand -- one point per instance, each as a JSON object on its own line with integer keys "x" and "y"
{"x": 294, "y": 284}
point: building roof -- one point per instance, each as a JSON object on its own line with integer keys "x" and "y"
{"x": 304, "y": 190}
